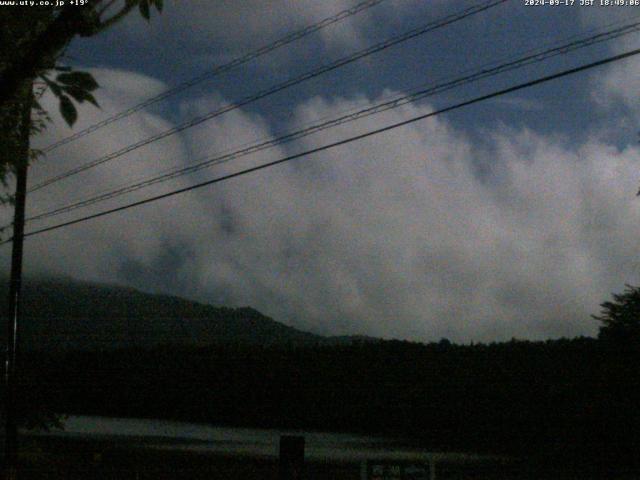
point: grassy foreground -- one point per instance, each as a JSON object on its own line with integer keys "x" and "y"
{"x": 57, "y": 458}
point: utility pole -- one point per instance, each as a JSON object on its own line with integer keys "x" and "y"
{"x": 15, "y": 286}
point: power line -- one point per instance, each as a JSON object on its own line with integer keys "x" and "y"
{"x": 286, "y": 40}
{"x": 463, "y": 72}
{"x": 276, "y": 88}
{"x": 338, "y": 143}
{"x": 381, "y": 107}
{"x": 487, "y": 68}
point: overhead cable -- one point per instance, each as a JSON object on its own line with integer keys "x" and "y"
{"x": 286, "y": 40}
{"x": 535, "y": 57}
{"x": 345, "y": 141}
{"x": 449, "y": 19}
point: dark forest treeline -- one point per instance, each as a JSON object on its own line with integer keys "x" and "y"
{"x": 572, "y": 398}
{"x": 105, "y": 350}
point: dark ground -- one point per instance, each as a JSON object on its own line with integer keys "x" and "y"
{"x": 79, "y": 459}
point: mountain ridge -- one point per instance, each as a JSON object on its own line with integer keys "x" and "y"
{"x": 68, "y": 314}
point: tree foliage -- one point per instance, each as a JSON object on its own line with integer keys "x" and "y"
{"x": 33, "y": 40}
{"x": 621, "y": 318}
{"x": 32, "y": 46}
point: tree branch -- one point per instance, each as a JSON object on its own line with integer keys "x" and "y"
{"x": 71, "y": 21}
{"x": 41, "y": 50}
{"x": 106, "y": 7}
{"x": 117, "y": 17}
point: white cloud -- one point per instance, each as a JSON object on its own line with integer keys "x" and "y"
{"x": 620, "y": 83}
{"x": 232, "y": 28}
{"x": 600, "y": 16}
{"x": 89, "y": 251}
{"x": 394, "y": 236}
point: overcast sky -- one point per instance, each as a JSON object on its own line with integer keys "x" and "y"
{"x": 515, "y": 217}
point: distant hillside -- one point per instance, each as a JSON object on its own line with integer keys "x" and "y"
{"x": 68, "y": 314}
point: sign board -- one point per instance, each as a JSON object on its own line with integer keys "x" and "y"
{"x": 396, "y": 471}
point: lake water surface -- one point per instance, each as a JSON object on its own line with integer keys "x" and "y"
{"x": 162, "y": 434}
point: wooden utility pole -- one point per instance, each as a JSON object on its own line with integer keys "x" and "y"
{"x": 291, "y": 465}
{"x": 15, "y": 287}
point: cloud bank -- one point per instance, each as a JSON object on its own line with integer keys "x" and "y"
{"x": 417, "y": 233}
